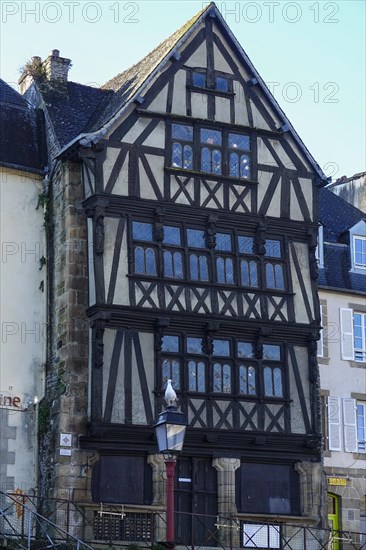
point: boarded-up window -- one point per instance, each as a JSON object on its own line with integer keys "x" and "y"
{"x": 334, "y": 423}
{"x": 267, "y": 489}
{"x": 122, "y": 479}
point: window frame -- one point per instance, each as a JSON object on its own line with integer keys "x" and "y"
{"x": 361, "y": 443}
{"x": 359, "y": 352}
{"x": 197, "y": 147}
{"x": 232, "y": 359}
{"x": 356, "y": 265}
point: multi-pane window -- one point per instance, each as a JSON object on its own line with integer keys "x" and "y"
{"x": 144, "y": 254}
{"x": 220, "y": 153}
{"x": 227, "y": 368}
{"x": 182, "y": 152}
{"x": 199, "y": 80}
{"x": 225, "y": 258}
{"x": 224, "y": 261}
{"x": 248, "y": 263}
{"x": 361, "y": 427}
{"x": 359, "y": 252}
{"x": 239, "y": 159}
{"x": 359, "y": 335}
{"x": 274, "y": 269}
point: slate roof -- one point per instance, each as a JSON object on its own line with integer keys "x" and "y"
{"x": 337, "y": 217}
{"x": 22, "y": 136}
{"x": 71, "y": 112}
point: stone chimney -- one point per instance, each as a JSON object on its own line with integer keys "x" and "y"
{"x": 54, "y": 70}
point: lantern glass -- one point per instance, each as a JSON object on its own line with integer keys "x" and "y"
{"x": 170, "y": 432}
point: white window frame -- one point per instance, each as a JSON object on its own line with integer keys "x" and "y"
{"x": 360, "y": 353}
{"x": 361, "y": 445}
{"x": 355, "y": 264}
{"x": 319, "y": 251}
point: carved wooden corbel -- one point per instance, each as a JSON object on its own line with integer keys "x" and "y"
{"x": 313, "y": 243}
{"x": 260, "y": 238}
{"x": 158, "y": 224}
{"x": 210, "y": 235}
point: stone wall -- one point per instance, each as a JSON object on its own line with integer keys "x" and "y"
{"x": 65, "y": 408}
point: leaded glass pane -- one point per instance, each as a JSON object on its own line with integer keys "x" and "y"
{"x": 196, "y": 238}
{"x": 170, "y": 343}
{"x": 245, "y": 349}
{"x": 211, "y": 137}
{"x": 196, "y": 376}
{"x": 249, "y": 273}
{"x": 217, "y": 379}
{"x": 139, "y": 260}
{"x": 150, "y": 261}
{"x": 199, "y": 80}
{"x": 229, "y": 271}
{"x": 279, "y": 276}
{"x": 178, "y": 265}
{"x": 194, "y": 345}
{"x": 226, "y": 377}
{"x": 193, "y": 266}
{"x": 203, "y": 268}
{"x": 171, "y": 369}
{"x": 177, "y": 155}
{"x": 221, "y": 348}
{"x": 171, "y": 235}
{"x": 223, "y": 242}
{"x": 268, "y": 385}
{"x": 221, "y": 84}
{"x": 253, "y": 273}
{"x": 216, "y": 161}
{"x": 168, "y": 264}
{"x": 142, "y": 231}
{"x": 234, "y": 165}
{"x": 239, "y": 141}
{"x": 206, "y": 160}
{"x": 220, "y": 268}
{"x": 244, "y": 166}
{"x": 182, "y": 131}
{"x": 247, "y": 383}
{"x": 187, "y": 157}
{"x": 270, "y": 279}
{"x": 277, "y": 382}
{"x": 272, "y": 352}
{"x": 273, "y": 248}
{"x": 246, "y": 244}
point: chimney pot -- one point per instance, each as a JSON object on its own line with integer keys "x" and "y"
{"x": 55, "y": 53}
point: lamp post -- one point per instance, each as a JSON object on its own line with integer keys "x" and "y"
{"x": 170, "y": 430}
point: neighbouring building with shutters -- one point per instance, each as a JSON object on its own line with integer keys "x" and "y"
{"x": 342, "y": 358}
{"x": 182, "y": 217}
{"x": 352, "y": 190}
{"x": 22, "y": 294}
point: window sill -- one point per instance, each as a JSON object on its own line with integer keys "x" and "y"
{"x": 323, "y": 360}
{"x": 208, "y": 175}
{"x": 357, "y": 364}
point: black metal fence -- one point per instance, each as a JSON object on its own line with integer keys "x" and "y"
{"x": 69, "y": 524}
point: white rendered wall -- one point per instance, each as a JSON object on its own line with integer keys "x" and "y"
{"x": 22, "y": 318}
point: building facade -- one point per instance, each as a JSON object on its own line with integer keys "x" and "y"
{"x": 342, "y": 358}
{"x": 23, "y": 279}
{"x": 183, "y": 214}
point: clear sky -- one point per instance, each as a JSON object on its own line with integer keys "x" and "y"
{"x": 310, "y": 53}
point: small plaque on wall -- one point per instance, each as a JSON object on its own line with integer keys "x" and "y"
{"x": 65, "y": 452}
{"x": 342, "y": 481}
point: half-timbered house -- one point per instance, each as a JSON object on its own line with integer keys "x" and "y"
{"x": 199, "y": 201}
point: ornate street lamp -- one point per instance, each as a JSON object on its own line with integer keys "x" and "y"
{"x": 170, "y": 431}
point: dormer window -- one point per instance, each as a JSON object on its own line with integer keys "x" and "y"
{"x": 359, "y": 252}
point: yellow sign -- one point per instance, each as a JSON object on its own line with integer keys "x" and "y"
{"x": 337, "y": 480}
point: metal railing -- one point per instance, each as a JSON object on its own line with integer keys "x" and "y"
{"x": 30, "y": 522}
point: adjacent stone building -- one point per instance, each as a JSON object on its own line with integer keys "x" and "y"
{"x": 342, "y": 358}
